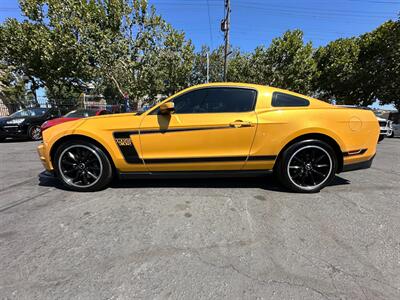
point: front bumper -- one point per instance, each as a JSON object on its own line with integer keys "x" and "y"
{"x": 358, "y": 165}
{"x": 13, "y": 131}
{"x": 42, "y": 155}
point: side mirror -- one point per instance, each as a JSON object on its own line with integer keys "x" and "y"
{"x": 167, "y": 108}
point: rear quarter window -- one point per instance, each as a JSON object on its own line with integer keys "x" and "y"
{"x": 285, "y": 100}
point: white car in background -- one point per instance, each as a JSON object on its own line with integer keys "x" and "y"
{"x": 384, "y": 125}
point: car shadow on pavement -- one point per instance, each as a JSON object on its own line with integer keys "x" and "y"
{"x": 267, "y": 182}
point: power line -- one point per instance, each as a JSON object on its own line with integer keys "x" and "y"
{"x": 290, "y": 9}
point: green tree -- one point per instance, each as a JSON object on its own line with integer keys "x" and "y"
{"x": 337, "y": 76}
{"x": 216, "y": 64}
{"x": 290, "y": 63}
{"x": 12, "y": 87}
{"x": 240, "y": 68}
{"x": 80, "y": 42}
{"x": 175, "y": 62}
{"x": 380, "y": 64}
{"x": 287, "y": 63}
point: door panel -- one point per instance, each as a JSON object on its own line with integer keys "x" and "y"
{"x": 204, "y": 141}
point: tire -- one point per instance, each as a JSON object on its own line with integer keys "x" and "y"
{"x": 82, "y": 166}
{"x": 381, "y": 138}
{"x": 391, "y": 135}
{"x": 35, "y": 133}
{"x": 307, "y": 166}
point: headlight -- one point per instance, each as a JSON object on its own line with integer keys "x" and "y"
{"x": 16, "y": 121}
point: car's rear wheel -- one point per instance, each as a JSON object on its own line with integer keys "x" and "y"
{"x": 35, "y": 133}
{"x": 82, "y": 166}
{"x": 307, "y": 166}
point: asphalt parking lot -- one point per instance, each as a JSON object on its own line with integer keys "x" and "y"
{"x": 209, "y": 238}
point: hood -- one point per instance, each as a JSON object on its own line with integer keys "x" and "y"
{"x": 125, "y": 121}
{"x": 4, "y": 119}
{"x": 27, "y": 118}
{"x": 53, "y": 122}
{"x": 60, "y": 120}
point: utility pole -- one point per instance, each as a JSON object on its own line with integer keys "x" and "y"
{"x": 225, "y": 26}
{"x": 208, "y": 68}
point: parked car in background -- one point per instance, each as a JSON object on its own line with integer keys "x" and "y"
{"x": 219, "y": 129}
{"x": 74, "y": 115}
{"x": 394, "y": 126}
{"x": 384, "y": 127}
{"x": 26, "y": 123}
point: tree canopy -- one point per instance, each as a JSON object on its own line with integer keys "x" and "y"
{"x": 121, "y": 48}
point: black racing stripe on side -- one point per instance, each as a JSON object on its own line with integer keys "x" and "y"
{"x": 355, "y": 152}
{"x": 194, "y": 160}
{"x": 124, "y": 134}
{"x": 268, "y": 157}
{"x": 128, "y": 150}
{"x": 183, "y": 129}
{"x": 206, "y": 159}
{"x": 153, "y": 131}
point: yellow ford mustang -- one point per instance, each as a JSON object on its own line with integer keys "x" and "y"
{"x": 216, "y": 129}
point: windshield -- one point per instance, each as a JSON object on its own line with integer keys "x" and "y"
{"x": 80, "y": 113}
{"x": 31, "y": 112}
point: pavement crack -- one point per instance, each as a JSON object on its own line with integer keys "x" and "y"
{"x": 11, "y": 186}
{"x": 261, "y": 281}
{"x": 16, "y": 203}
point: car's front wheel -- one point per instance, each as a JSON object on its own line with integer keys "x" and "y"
{"x": 307, "y": 166}
{"x": 35, "y": 133}
{"x": 82, "y": 166}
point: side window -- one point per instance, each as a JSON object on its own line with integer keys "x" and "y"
{"x": 190, "y": 103}
{"x": 186, "y": 103}
{"x": 215, "y": 100}
{"x": 286, "y": 100}
{"x": 223, "y": 100}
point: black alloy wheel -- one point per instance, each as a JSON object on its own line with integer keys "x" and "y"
{"x": 307, "y": 166}
{"x": 82, "y": 166}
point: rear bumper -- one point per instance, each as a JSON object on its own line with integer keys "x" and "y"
{"x": 358, "y": 165}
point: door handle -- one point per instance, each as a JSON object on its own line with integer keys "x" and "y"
{"x": 240, "y": 123}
